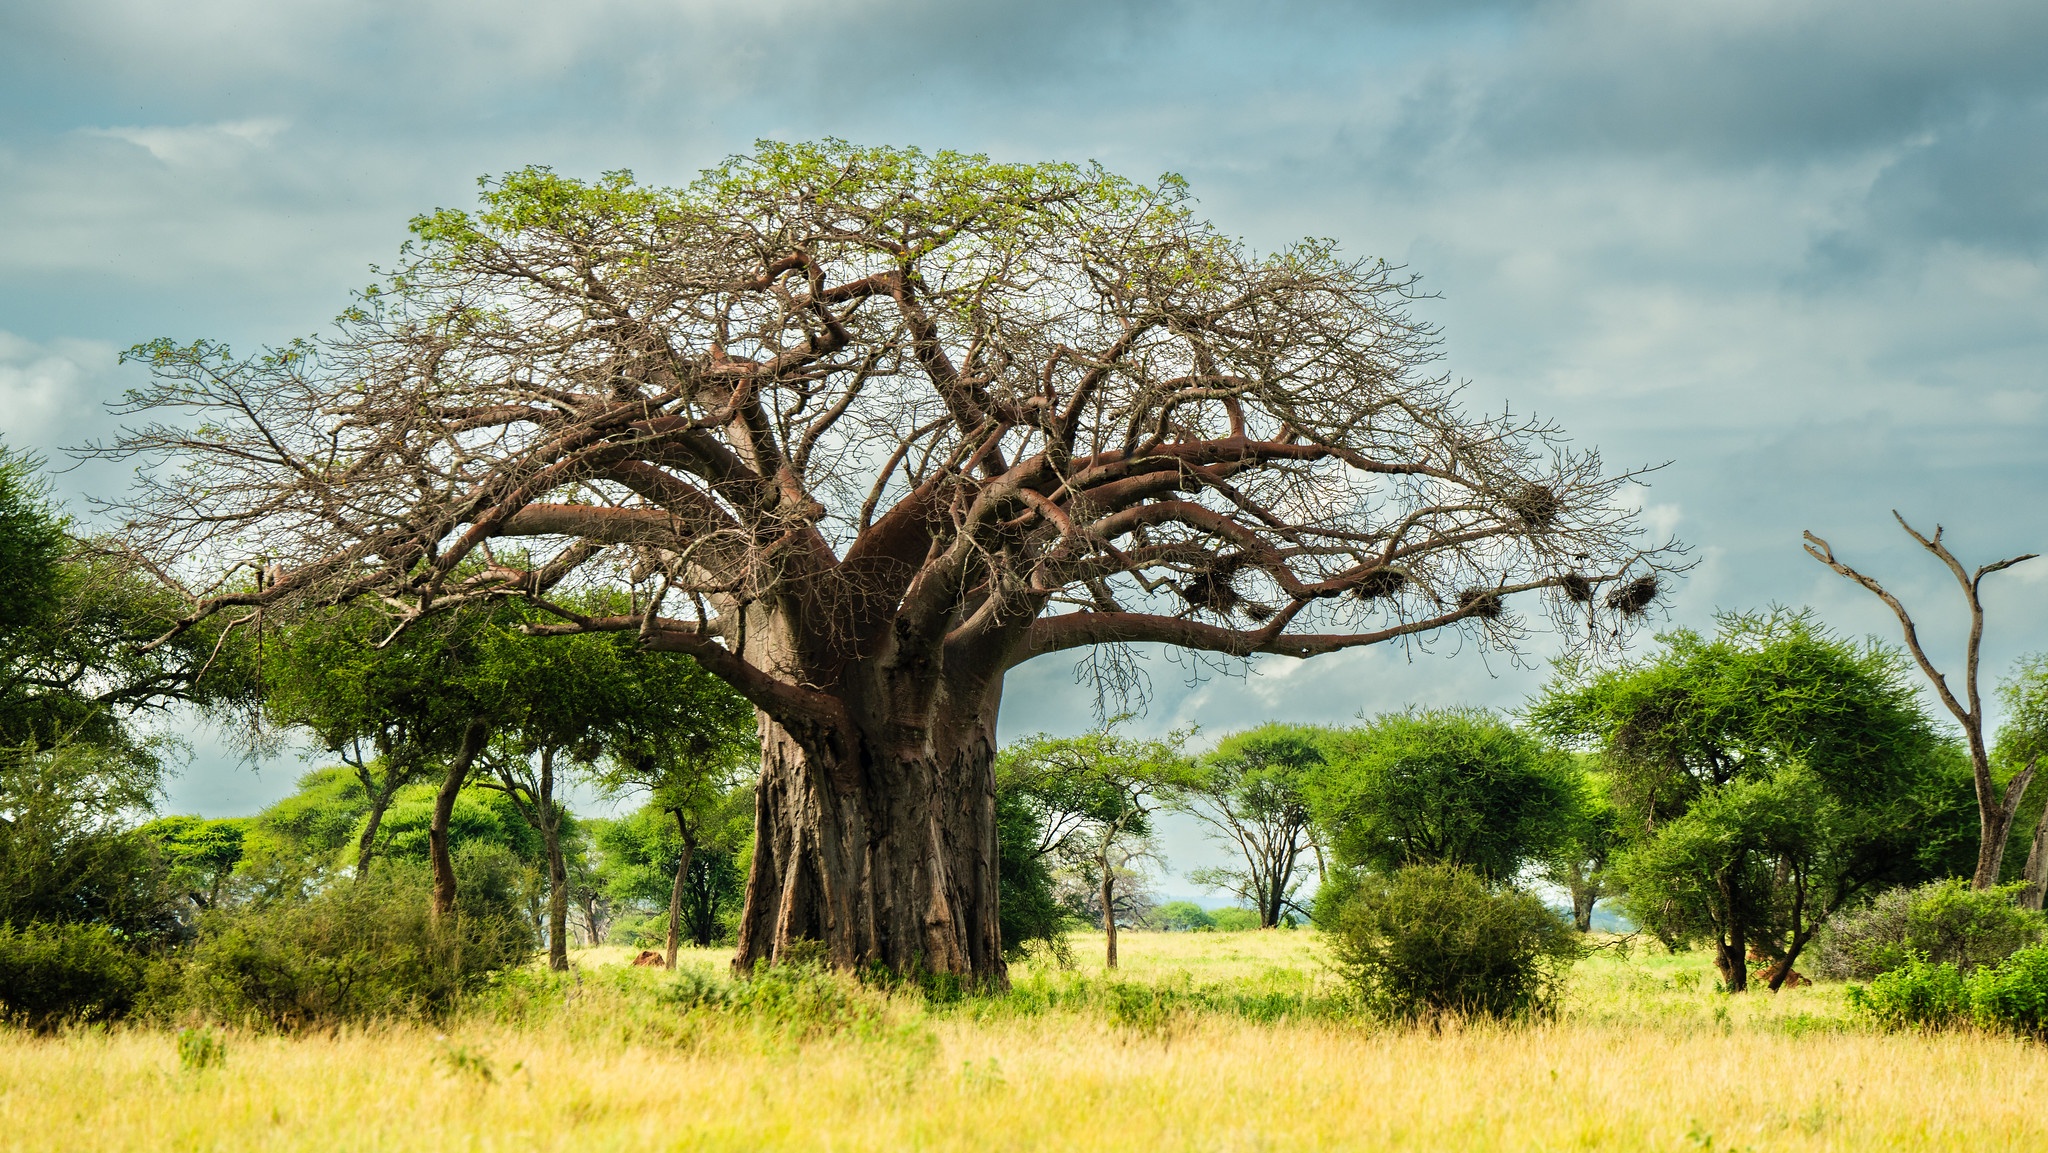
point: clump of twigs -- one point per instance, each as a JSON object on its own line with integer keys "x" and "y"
{"x": 1535, "y": 505}
{"x": 1633, "y": 598}
{"x": 1577, "y": 589}
{"x": 1482, "y": 603}
{"x": 1257, "y": 613}
{"x": 1380, "y": 583}
{"x": 1214, "y": 589}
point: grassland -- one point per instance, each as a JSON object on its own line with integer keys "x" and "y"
{"x": 1201, "y": 1042}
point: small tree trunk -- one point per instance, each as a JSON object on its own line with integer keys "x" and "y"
{"x": 2037, "y": 866}
{"x": 882, "y": 850}
{"x": 558, "y": 900}
{"x": 1584, "y": 896}
{"x": 1994, "y": 820}
{"x": 366, "y": 845}
{"x": 473, "y": 740}
{"x": 1733, "y": 960}
{"x": 675, "y": 896}
{"x": 1109, "y": 911}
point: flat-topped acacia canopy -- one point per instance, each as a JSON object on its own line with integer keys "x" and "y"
{"x": 861, "y": 429}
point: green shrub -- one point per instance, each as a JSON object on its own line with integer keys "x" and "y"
{"x": 1946, "y": 922}
{"x": 54, "y": 973}
{"x": 1233, "y": 920}
{"x": 358, "y": 950}
{"x": 1436, "y": 939}
{"x": 1180, "y": 917}
{"x": 2011, "y": 995}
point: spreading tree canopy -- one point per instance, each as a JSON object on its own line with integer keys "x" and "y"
{"x": 861, "y": 429}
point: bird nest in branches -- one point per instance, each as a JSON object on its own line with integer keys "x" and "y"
{"x": 1214, "y": 589}
{"x": 1482, "y": 603}
{"x": 1380, "y": 583}
{"x": 1633, "y": 598}
{"x": 1577, "y": 589}
{"x": 1535, "y": 505}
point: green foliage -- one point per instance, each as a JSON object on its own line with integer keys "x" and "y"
{"x": 1091, "y": 799}
{"x": 637, "y": 859}
{"x": 1944, "y": 922}
{"x": 200, "y": 1049}
{"x": 2024, "y": 693}
{"x": 1232, "y": 920}
{"x": 77, "y": 624}
{"x": 51, "y": 974}
{"x": 1768, "y": 689}
{"x": 1027, "y": 902}
{"x": 1182, "y": 917}
{"x": 1253, "y": 793}
{"x": 1430, "y": 940}
{"x": 1443, "y": 787}
{"x": 358, "y": 950}
{"x": 67, "y": 852}
{"x": 201, "y": 854}
{"x": 2011, "y": 996}
{"x": 1766, "y": 777}
{"x": 34, "y": 545}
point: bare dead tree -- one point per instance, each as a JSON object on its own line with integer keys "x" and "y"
{"x": 862, "y": 429}
{"x": 1996, "y": 807}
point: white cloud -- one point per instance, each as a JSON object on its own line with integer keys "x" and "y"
{"x": 45, "y": 389}
{"x": 200, "y": 145}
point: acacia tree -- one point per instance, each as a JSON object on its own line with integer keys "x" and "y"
{"x": 1996, "y": 807}
{"x": 1764, "y": 777}
{"x": 1457, "y": 786}
{"x": 1093, "y": 797}
{"x": 862, "y": 429}
{"x": 1252, "y": 791}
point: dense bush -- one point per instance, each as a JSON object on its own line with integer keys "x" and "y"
{"x": 1946, "y": 922}
{"x": 1436, "y": 939}
{"x": 54, "y": 973}
{"x": 358, "y": 950}
{"x": 2011, "y": 995}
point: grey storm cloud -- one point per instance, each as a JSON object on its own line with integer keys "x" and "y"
{"x": 1793, "y": 248}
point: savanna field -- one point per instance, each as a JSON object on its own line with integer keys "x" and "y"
{"x": 1200, "y": 1041}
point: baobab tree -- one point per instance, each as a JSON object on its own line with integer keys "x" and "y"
{"x": 860, "y": 430}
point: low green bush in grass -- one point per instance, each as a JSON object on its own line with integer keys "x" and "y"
{"x": 51, "y": 974}
{"x": 1945, "y": 922}
{"x": 2010, "y": 996}
{"x": 1431, "y": 940}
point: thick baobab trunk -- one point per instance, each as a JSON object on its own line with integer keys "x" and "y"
{"x": 675, "y": 896}
{"x": 473, "y": 740}
{"x": 884, "y": 856}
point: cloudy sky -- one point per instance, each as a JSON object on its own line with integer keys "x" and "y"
{"x": 1793, "y": 248}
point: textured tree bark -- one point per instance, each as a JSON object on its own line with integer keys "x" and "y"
{"x": 1584, "y": 896}
{"x": 473, "y": 740}
{"x": 675, "y": 896}
{"x": 1733, "y": 959}
{"x": 2037, "y": 866}
{"x": 1994, "y": 821}
{"x": 883, "y": 852}
{"x": 558, "y": 899}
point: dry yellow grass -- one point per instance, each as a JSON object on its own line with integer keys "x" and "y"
{"x": 1640, "y": 1060}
